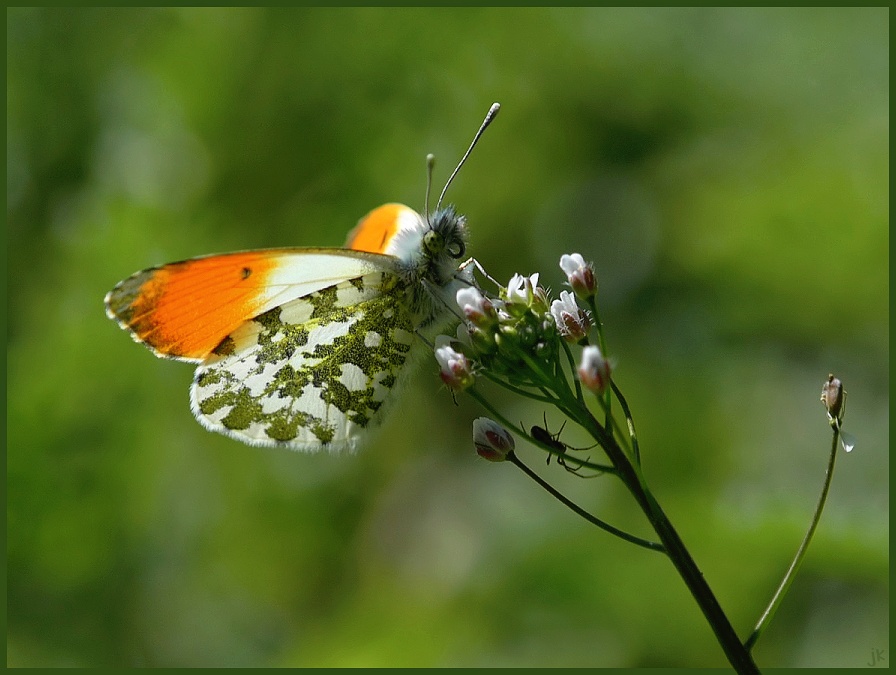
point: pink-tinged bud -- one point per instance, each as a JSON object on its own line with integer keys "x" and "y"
{"x": 579, "y": 274}
{"x": 572, "y": 322}
{"x": 477, "y": 308}
{"x": 833, "y": 397}
{"x": 493, "y": 442}
{"x": 594, "y": 370}
{"x": 456, "y": 370}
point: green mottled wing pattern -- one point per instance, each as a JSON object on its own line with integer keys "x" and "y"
{"x": 313, "y": 373}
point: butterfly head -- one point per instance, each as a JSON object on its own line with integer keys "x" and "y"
{"x": 428, "y": 245}
{"x": 431, "y": 247}
{"x": 446, "y": 236}
{"x": 444, "y": 243}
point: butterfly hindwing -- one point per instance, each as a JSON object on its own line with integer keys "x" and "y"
{"x": 312, "y": 373}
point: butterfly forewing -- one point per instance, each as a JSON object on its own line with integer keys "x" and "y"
{"x": 183, "y": 310}
{"x": 313, "y": 372}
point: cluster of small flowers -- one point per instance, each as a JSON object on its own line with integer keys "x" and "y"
{"x": 504, "y": 334}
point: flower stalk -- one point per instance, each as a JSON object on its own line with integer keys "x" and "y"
{"x": 833, "y": 397}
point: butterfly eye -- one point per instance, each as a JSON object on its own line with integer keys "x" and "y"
{"x": 434, "y": 242}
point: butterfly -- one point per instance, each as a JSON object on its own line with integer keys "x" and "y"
{"x": 304, "y": 347}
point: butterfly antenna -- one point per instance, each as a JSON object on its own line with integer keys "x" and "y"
{"x": 490, "y": 115}
{"x": 430, "y": 163}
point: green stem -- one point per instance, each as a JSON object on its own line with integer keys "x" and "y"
{"x": 545, "y": 379}
{"x": 801, "y": 551}
{"x": 598, "y": 325}
{"x": 625, "y": 436}
{"x": 573, "y": 374}
{"x": 636, "y": 449}
{"x": 651, "y": 545}
{"x": 737, "y": 654}
{"x": 516, "y": 390}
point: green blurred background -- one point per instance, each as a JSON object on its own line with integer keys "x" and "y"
{"x": 727, "y": 170}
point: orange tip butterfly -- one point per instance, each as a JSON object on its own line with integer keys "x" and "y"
{"x": 304, "y": 347}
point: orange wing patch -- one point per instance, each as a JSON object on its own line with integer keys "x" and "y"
{"x": 374, "y": 232}
{"x": 185, "y": 309}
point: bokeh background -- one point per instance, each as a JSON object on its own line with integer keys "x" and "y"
{"x": 727, "y": 170}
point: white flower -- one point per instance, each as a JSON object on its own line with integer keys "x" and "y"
{"x": 521, "y": 290}
{"x": 594, "y": 370}
{"x": 572, "y": 322}
{"x": 524, "y": 293}
{"x": 456, "y": 370}
{"x": 579, "y": 274}
{"x": 492, "y": 441}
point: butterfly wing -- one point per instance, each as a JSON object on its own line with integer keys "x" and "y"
{"x": 382, "y": 230}
{"x": 184, "y": 310}
{"x": 313, "y": 373}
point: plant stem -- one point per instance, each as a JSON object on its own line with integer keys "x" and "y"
{"x": 652, "y": 545}
{"x": 738, "y": 656}
{"x": 801, "y": 551}
{"x": 636, "y": 449}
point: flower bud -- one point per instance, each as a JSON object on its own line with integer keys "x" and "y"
{"x": 456, "y": 369}
{"x": 833, "y": 397}
{"x": 477, "y": 308}
{"x": 493, "y": 442}
{"x": 579, "y": 274}
{"x": 594, "y": 370}
{"x": 572, "y": 322}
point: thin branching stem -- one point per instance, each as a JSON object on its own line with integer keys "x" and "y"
{"x": 572, "y": 368}
{"x": 624, "y": 434}
{"x": 651, "y": 545}
{"x": 801, "y": 551}
{"x": 636, "y": 450}
{"x": 516, "y": 390}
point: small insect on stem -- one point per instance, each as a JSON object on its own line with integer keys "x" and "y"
{"x": 542, "y": 435}
{"x": 545, "y": 437}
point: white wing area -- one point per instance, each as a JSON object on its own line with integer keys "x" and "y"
{"x": 408, "y": 240}
{"x": 301, "y": 271}
{"x": 315, "y": 372}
